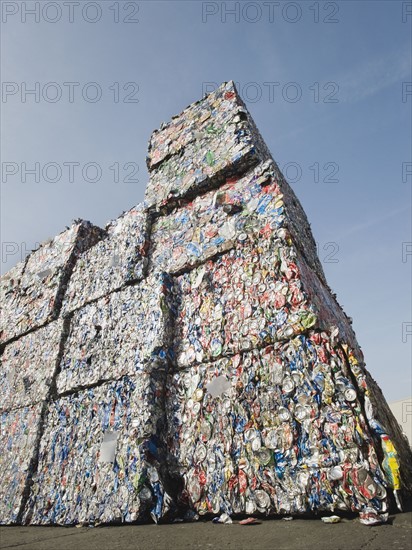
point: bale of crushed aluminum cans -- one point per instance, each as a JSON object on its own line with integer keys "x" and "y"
{"x": 278, "y": 430}
{"x": 217, "y": 221}
{"x": 28, "y": 366}
{"x": 100, "y": 454}
{"x": 37, "y": 298}
{"x": 246, "y": 298}
{"x": 254, "y": 204}
{"x": 118, "y": 335}
{"x": 200, "y": 148}
{"x": 19, "y": 439}
{"x": 119, "y": 258}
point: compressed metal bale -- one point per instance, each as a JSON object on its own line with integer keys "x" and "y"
{"x": 275, "y": 431}
{"x": 20, "y": 430}
{"x": 100, "y": 456}
{"x": 256, "y": 203}
{"x": 38, "y": 296}
{"x": 28, "y": 366}
{"x": 252, "y": 295}
{"x": 118, "y": 335}
{"x": 201, "y": 147}
{"x": 191, "y": 154}
{"x": 213, "y": 222}
{"x": 116, "y": 260}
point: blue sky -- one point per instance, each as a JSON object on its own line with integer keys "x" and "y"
{"x": 326, "y": 83}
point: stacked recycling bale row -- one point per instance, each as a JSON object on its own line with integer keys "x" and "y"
{"x": 91, "y": 381}
{"x": 32, "y": 339}
{"x": 98, "y": 455}
{"x": 115, "y": 358}
{"x": 264, "y": 409}
{"x": 101, "y": 449}
{"x": 27, "y": 372}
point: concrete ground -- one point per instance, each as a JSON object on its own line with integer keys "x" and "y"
{"x": 276, "y": 534}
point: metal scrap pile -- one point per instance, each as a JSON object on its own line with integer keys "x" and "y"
{"x": 191, "y": 357}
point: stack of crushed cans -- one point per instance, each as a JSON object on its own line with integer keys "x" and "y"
{"x": 32, "y": 293}
{"x": 117, "y": 259}
{"x": 190, "y": 359}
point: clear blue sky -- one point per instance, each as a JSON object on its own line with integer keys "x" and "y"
{"x": 291, "y": 61}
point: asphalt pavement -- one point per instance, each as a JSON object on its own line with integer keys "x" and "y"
{"x": 273, "y": 534}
